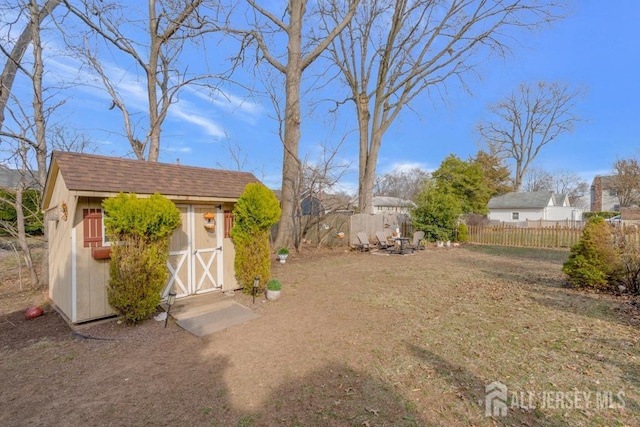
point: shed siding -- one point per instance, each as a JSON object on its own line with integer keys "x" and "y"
{"x": 228, "y": 249}
{"x": 92, "y": 275}
{"x": 60, "y": 248}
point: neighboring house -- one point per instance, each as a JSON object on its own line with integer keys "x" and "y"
{"x": 536, "y": 205}
{"x": 385, "y": 204}
{"x": 388, "y": 204}
{"x": 604, "y": 197}
{"x": 201, "y": 251}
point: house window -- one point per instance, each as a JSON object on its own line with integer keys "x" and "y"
{"x": 92, "y": 227}
{"x": 105, "y": 238}
{"x": 228, "y": 223}
{"x": 613, "y": 192}
{"x": 515, "y": 215}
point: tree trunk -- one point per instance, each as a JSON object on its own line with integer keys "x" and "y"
{"x": 152, "y": 96}
{"x": 22, "y": 235}
{"x": 40, "y": 126}
{"x": 519, "y": 174}
{"x": 291, "y": 162}
{"x": 362, "y": 109}
{"x": 368, "y": 174}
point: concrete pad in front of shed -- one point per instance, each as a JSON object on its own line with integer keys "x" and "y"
{"x": 214, "y": 317}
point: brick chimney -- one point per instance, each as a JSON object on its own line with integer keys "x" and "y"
{"x": 596, "y": 194}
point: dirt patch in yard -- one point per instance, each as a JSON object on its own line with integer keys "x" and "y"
{"x": 361, "y": 339}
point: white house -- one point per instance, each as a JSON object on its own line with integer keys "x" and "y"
{"x": 388, "y": 204}
{"x": 533, "y": 206}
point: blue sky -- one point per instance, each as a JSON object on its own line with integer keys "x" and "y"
{"x": 596, "y": 47}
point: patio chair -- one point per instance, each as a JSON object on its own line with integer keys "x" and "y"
{"x": 417, "y": 238}
{"x": 364, "y": 241}
{"x": 383, "y": 243}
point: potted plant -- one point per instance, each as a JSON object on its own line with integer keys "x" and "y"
{"x": 274, "y": 287}
{"x": 283, "y": 253}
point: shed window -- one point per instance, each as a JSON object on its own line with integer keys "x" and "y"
{"x": 93, "y": 227}
{"x": 515, "y": 215}
{"x": 228, "y": 223}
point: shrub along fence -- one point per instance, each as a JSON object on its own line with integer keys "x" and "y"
{"x": 537, "y": 237}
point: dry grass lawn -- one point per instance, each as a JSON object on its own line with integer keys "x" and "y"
{"x": 359, "y": 339}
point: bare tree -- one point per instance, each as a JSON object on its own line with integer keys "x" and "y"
{"x": 394, "y": 50}
{"x": 405, "y": 184}
{"x": 299, "y": 54}
{"x": 570, "y": 183}
{"x": 625, "y": 180}
{"x": 170, "y": 25}
{"x": 15, "y": 55}
{"x": 318, "y": 177}
{"x": 560, "y": 182}
{"x": 27, "y": 131}
{"x": 537, "y": 179}
{"x": 528, "y": 120}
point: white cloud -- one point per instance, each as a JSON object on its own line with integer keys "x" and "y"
{"x": 178, "y": 149}
{"x": 403, "y": 167}
{"x": 184, "y": 111}
{"x": 250, "y": 111}
{"x": 350, "y": 188}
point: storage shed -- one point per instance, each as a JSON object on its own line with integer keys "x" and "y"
{"x": 201, "y": 250}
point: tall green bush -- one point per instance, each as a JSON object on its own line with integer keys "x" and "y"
{"x": 436, "y": 213}
{"x": 594, "y": 262}
{"x": 255, "y": 212}
{"x": 463, "y": 232}
{"x": 142, "y": 229}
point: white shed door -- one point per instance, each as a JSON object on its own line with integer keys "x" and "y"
{"x": 195, "y": 252}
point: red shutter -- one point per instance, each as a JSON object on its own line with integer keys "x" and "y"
{"x": 92, "y": 226}
{"x": 228, "y": 223}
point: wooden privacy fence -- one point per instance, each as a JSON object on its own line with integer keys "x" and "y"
{"x": 539, "y": 237}
{"x": 340, "y": 228}
{"x": 330, "y": 230}
{"x": 385, "y": 222}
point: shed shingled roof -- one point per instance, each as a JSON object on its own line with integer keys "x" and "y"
{"x": 534, "y": 199}
{"x": 89, "y": 172}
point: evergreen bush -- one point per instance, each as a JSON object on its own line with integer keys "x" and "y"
{"x": 255, "y": 212}
{"x": 463, "y": 232}
{"x": 594, "y": 262}
{"x": 142, "y": 229}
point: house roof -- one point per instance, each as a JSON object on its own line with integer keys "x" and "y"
{"x": 531, "y": 200}
{"x": 392, "y": 201}
{"x": 388, "y": 201}
{"x": 101, "y": 174}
